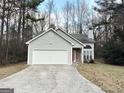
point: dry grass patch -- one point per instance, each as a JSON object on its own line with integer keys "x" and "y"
{"x": 110, "y": 78}
{"x": 10, "y": 69}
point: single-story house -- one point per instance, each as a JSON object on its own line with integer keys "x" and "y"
{"x": 55, "y": 46}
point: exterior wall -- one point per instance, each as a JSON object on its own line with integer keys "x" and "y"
{"x": 50, "y": 41}
{"x": 92, "y": 46}
{"x": 76, "y": 44}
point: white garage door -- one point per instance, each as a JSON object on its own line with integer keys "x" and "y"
{"x": 50, "y": 57}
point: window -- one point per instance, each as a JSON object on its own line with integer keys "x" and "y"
{"x": 87, "y": 47}
{"x": 87, "y": 54}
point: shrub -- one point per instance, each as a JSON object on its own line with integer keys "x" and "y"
{"x": 114, "y": 55}
{"x": 92, "y": 61}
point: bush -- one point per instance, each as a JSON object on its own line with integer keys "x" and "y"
{"x": 114, "y": 55}
{"x": 92, "y": 61}
{"x": 89, "y": 61}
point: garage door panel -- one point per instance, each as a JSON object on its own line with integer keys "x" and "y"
{"x": 50, "y": 57}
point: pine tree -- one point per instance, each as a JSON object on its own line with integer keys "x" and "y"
{"x": 113, "y": 13}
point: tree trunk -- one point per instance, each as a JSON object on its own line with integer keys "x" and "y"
{"x": 49, "y": 18}
{"x": 23, "y": 24}
{"x": 2, "y": 29}
{"x": 7, "y": 33}
{"x": 7, "y": 37}
{"x": 19, "y": 27}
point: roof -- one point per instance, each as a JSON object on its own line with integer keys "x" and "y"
{"x": 83, "y": 38}
{"x": 59, "y": 28}
{"x": 28, "y": 42}
{"x": 80, "y": 38}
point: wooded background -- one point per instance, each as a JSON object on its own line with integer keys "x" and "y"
{"x": 20, "y": 21}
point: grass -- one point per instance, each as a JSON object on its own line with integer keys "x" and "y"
{"x": 10, "y": 69}
{"x": 109, "y": 77}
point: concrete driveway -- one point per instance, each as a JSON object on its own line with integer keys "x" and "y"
{"x": 49, "y": 79}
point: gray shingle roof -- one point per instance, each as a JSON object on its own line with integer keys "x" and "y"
{"x": 83, "y": 38}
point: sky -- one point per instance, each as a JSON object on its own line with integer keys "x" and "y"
{"x": 60, "y": 3}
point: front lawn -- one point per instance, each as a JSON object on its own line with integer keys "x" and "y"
{"x": 109, "y": 77}
{"x": 10, "y": 69}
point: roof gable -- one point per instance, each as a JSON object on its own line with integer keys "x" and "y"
{"x": 28, "y": 42}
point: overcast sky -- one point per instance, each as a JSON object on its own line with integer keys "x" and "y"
{"x": 60, "y": 3}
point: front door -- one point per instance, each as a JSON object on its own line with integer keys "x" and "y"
{"x": 76, "y": 55}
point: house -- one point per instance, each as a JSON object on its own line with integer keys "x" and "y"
{"x": 55, "y": 46}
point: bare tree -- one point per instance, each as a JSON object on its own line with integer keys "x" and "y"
{"x": 76, "y": 16}
{"x": 82, "y": 11}
{"x": 73, "y": 18}
{"x": 57, "y": 17}
{"x": 15, "y": 29}
{"x": 66, "y": 14}
{"x": 2, "y": 28}
{"x": 50, "y": 8}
